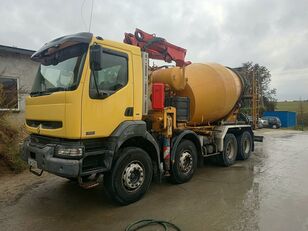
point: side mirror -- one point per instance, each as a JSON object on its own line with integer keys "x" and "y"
{"x": 96, "y": 56}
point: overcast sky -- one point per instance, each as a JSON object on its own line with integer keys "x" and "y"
{"x": 273, "y": 33}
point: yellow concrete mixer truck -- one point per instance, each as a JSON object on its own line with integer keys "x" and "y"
{"x": 98, "y": 113}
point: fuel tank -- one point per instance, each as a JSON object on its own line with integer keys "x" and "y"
{"x": 213, "y": 89}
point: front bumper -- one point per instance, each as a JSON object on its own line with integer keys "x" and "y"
{"x": 91, "y": 162}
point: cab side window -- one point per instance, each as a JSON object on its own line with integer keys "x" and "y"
{"x": 113, "y": 76}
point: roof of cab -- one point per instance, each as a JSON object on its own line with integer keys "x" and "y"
{"x": 123, "y": 46}
{"x": 82, "y": 37}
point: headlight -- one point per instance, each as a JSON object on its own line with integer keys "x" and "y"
{"x": 67, "y": 151}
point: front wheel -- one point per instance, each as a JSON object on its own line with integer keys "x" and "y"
{"x": 185, "y": 162}
{"x": 130, "y": 177}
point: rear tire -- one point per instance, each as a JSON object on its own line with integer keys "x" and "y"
{"x": 130, "y": 177}
{"x": 185, "y": 162}
{"x": 244, "y": 143}
{"x": 228, "y": 156}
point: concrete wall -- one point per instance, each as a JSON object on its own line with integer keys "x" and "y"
{"x": 20, "y": 66}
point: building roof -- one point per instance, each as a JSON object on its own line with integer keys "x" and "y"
{"x": 16, "y": 50}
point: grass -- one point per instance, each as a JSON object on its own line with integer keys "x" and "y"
{"x": 11, "y": 135}
{"x": 291, "y": 106}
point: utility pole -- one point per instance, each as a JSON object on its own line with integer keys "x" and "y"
{"x": 301, "y": 113}
{"x": 255, "y": 98}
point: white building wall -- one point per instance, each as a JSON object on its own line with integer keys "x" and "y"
{"x": 21, "y": 67}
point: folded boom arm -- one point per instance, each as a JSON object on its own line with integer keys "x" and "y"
{"x": 157, "y": 48}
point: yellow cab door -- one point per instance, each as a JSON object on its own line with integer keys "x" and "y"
{"x": 102, "y": 115}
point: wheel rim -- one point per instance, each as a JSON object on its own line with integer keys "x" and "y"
{"x": 133, "y": 176}
{"x": 185, "y": 162}
{"x": 230, "y": 152}
{"x": 246, "y": 146}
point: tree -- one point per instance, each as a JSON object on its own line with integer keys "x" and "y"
{"x": 268, "y": 101}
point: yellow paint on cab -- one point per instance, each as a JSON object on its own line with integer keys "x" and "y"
{"x": 83, "y": 117}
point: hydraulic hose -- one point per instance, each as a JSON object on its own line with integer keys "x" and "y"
{"x": 147, "y": 222}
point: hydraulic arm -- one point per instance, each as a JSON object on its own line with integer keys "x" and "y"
{"x": 157, "y": 48}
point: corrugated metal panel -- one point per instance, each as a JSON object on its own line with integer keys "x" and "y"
{"x": 292, "y": 119}
{"x": 288, "y": 118}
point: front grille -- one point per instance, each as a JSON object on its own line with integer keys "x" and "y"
{"x": 44, "y": 124}
{"x": 44, "y": 140}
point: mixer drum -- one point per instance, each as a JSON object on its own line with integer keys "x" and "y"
{"x": 213, "y": 89}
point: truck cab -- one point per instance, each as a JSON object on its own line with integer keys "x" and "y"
{"x": 64, "y": 101}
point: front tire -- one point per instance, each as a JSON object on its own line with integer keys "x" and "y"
{"x": 130, "y": 177}
{"x": 185, "y": 162}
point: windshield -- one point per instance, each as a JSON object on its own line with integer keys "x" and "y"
{"x": 60, "y": 71}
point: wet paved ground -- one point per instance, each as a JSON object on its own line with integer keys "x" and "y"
{"x": 267, "y": 192}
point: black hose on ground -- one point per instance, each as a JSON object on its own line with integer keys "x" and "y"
{"x": 147, "y": 222}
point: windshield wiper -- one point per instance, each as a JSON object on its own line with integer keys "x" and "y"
{"x": 54, "y": 89}
{"x": 39, "y": 93}
{"x": 47, "y": 91}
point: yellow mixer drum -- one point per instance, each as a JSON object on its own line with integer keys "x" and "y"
{"x": 213, "y": 89}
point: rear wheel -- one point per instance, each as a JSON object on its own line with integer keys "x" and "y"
{"x": 229, "y": 153}
{"x": 244, "y": 143}
{"x": 185, "y": 162}
{"x": 130, "y": 177}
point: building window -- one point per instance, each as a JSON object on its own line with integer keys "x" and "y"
{"x": 9, "y": 99}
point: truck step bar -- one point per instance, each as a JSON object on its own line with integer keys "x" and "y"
{"x": 92, "y": 183}
{"x": 37, "y": 173}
